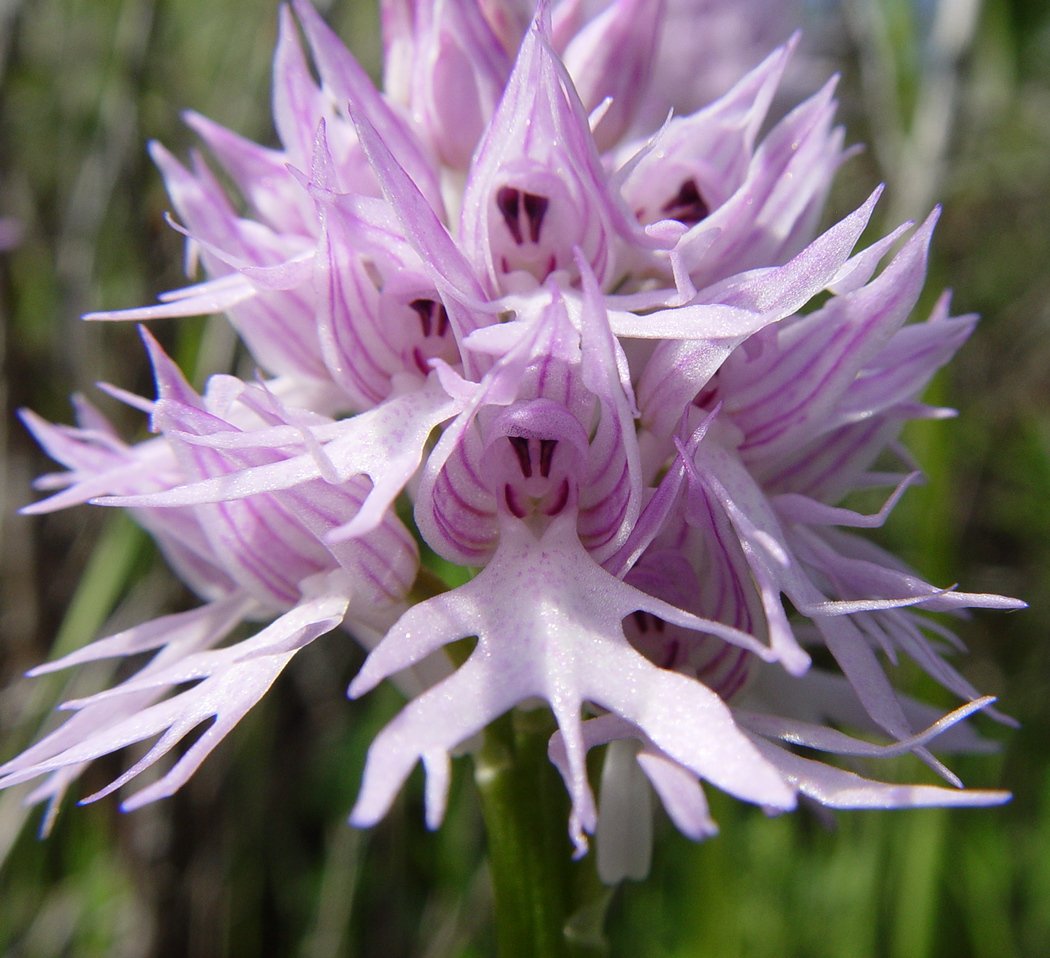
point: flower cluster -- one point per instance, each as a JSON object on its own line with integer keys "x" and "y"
{"x": 598, "y": 349}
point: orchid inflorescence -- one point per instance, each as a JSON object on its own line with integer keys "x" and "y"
{"x": 593, "y": 339}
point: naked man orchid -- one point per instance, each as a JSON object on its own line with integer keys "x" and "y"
{"x": 596, "y": 348}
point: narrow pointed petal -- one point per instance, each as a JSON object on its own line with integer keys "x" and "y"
{"x": 537, "y": 190}
{"x": 612, "y": 57}
{"x": 231, "y": 681}
{"x": 836, "y": 788}
{"x": 349, "y": 84}
{"x": 384, "y": 444}
{"x": 679, "y": 369}
{"x": 458, "y": 69}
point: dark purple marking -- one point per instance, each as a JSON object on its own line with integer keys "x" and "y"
{"x": 512, "y": 501}
{"x": 425, "y": 311}
{"x": 508, "y": 201}
{"x": 535, "y": 209}
{"x": 546, "y": 455}
{"x": 520, "y": 445}
{"x": 441, "y": 326}
{"x": 671, "y": 655}
{"x": 513, "y": 204}
{"x": 561, "y": 501}
{"x": 687, "y": 206}
{"x": 433, "y": 316}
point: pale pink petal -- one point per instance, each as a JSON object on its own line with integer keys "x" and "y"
{"x": 548, "y": 622}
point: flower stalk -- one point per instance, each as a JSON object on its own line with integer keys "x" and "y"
{"x": 524, "y": 810}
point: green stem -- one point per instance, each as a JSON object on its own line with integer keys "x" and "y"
{"x": 525, "y": 812}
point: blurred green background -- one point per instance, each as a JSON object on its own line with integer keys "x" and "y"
{"x": 254, "y": 856}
